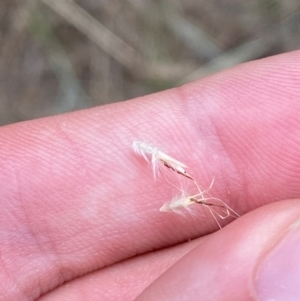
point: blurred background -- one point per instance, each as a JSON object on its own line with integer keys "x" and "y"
{"x": 62, "y": 55}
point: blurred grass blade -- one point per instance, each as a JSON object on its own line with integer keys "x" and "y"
{"x": 97, "y": 32}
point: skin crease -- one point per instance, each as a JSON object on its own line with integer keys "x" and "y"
{"x": 75, "y": 199}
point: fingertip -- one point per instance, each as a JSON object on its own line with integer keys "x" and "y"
{"x": 225, "y": 266}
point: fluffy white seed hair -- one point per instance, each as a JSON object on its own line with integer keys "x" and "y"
{"x": 157, "y": 157}
{"x": 178, "y": 203}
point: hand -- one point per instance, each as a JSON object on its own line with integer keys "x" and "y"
{"x": 78, "y": 207}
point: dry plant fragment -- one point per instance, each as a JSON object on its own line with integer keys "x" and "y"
{"x": 158, "y": 158}
{"x": 216, "y": 207}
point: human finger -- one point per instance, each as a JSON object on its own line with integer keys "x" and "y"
{"x": 254, "y": 258}
{"x": 74, "y": 197}
{"x": 124, "y": 280}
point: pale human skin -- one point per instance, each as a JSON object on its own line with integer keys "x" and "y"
{"x": 77, "y": 206}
